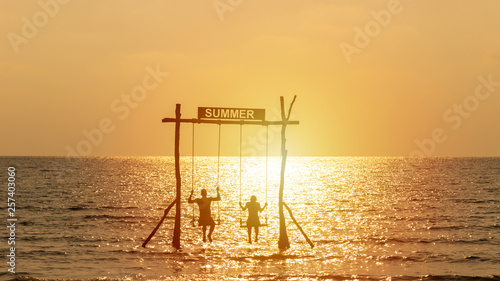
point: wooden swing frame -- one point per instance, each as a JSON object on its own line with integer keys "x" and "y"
{"x": 283, "y": 241}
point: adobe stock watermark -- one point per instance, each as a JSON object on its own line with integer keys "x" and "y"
{"x": 456, "y": 115}
{"x": 11, "y": 219}
{"x": 121, "y": 107}
{"x": 31, "y": 26}
{"x": 256, "y": 143}
{"x": 373, "y": 28}
{"x": 223, "y": 6}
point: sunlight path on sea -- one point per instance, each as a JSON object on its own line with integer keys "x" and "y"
{"x": 366, "y": 216}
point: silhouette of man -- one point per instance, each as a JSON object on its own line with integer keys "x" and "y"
{"x": 253, "y": 217}
{"x": 205, "y": 213}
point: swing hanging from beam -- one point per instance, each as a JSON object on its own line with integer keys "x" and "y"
{"x": 218, "y": 220}
{"x": 193, "y": 220}
{"x": 250, "y": 117}
{"x": 244, "y": 223}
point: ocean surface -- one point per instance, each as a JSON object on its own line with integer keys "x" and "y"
{"x": 369, "y": 219}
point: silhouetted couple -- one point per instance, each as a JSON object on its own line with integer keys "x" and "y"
{"x": 204, "y": 204}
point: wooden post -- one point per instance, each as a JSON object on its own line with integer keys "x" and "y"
{"x": 176, "y": 240}
{"x": 283, "y": 242}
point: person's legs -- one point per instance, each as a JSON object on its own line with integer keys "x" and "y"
{"x": 204, "y": 233}
{"x": 212, "y": 227}
{"x": 249, "y": 234}
{"x": 256, "y": 233}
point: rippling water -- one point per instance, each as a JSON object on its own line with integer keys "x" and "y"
{"x": 369, "y": 218}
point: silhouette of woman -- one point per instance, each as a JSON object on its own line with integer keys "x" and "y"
{"x": 253, "y": 217}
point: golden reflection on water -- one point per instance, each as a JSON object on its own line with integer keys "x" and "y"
{"x": 365, "y": 215}
{"x": 343, "y": 207}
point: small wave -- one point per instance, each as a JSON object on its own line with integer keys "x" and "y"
{"x": 474, "y": 201}
{"x": 458, "y": 277}
{"x": 474, "y": 258}
{"x": 28, "y": 278}
{"x": 452, "y": 227}
{"x": 127, "y": 219}
{"x": 125, "y": 252}
{"x": 378, "y": 240}
{"x": 273, "y": 257}
{"x": 399, "y": 258}
{"x": 440, "y": 240}
{"x": 482, "y": 182}
{"x": 56, "y": 238}
{"x": 319, "y": 276}
{"x": 38, "y": 253}
{"x": 411, "y": 240}
{"x": 81, "y": 208}
{"x": 328, "y": 241}
{"x": 472, "y": 241}
{"x": 77, "y": 208}
{"x": 121, "y": 207}
{"x": 312, "y": 277}
{"x": 111, "y": 217}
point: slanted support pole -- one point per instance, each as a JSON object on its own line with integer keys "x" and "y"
{"x": 159, "y": 224}
{"x": 176, "y": 240}
{"x": 298, "y": 226}
{"x": 283, "y": 242}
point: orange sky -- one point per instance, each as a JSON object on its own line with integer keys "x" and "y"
{"x": 373, "y": 78}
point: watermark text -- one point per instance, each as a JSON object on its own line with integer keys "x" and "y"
{"x": 364, "y": 36}
{"x": 455, "y": 116}
{"x": 11, "y": 219}
{"x": 31, "y": 26}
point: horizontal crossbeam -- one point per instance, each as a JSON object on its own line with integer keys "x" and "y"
{"x": 229, "y": 122}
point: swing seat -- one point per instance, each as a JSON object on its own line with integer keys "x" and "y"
{"x": 194, "y": 222}
{"x": 244, "y": 224}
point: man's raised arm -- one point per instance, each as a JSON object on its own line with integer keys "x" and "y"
{"x": 190, "y": 200}
{"x": 262, "y": 209}
{"x": 218, "y": 195}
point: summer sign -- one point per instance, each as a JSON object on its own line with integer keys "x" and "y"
{"x": 231, "y": 113}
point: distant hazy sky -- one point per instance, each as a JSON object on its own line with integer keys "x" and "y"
{"x": 373, "y": 78}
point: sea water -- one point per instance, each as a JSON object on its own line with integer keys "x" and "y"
{"x": 369, "y": 219}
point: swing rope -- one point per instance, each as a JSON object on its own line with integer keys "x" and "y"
{"x": 218, "y": 174}
{"x": 240, "y": 156}
{"x": 192, "y": 174}
{"x": 218, "y": 158}
{"x": 241, "y": 211}
{"x": 267, "y": 153}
